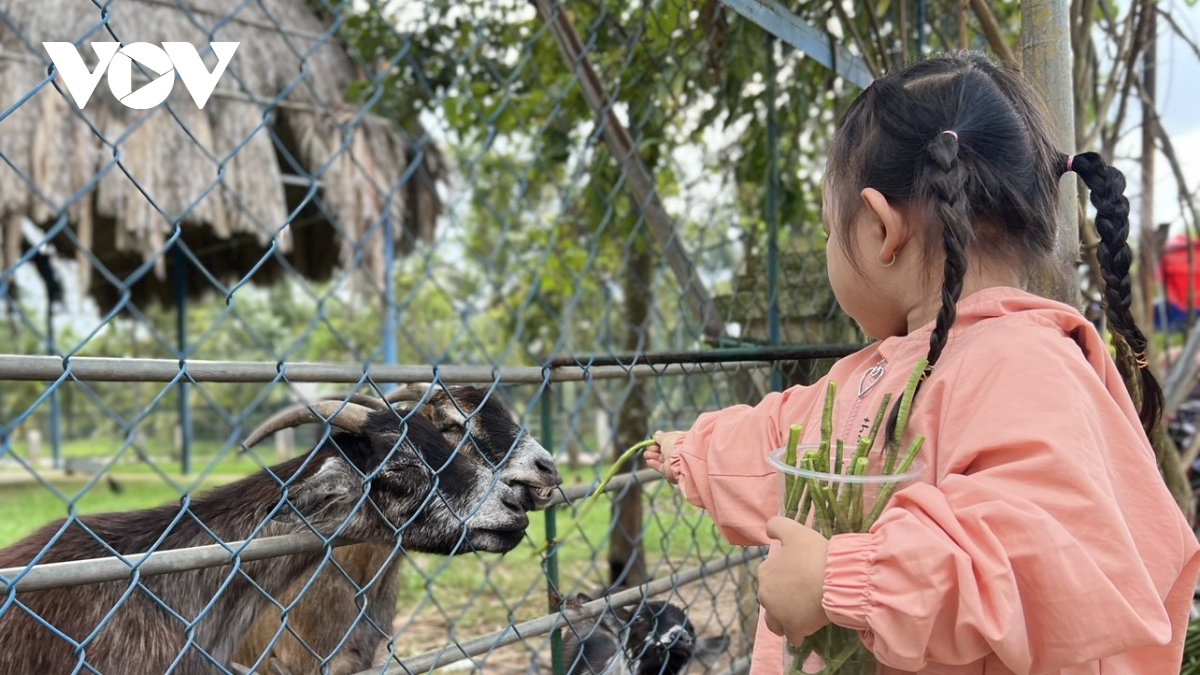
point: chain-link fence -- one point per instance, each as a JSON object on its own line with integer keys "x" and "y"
{"x": 604, "y": 214}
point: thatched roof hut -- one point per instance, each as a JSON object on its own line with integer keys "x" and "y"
{"x": 233, "y": 174}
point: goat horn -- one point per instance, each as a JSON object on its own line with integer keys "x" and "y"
{"x": 352, "y": 418}
{"x": 412, "y": 392}
{"x": 363, "y": 400}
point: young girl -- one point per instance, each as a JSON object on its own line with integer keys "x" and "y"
{"x": 1040, "y": 538}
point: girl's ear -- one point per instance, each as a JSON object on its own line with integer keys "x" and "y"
{"x": 888, "y": 229}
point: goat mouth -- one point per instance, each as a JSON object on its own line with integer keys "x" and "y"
{"x": 544, "y": 494}
{"x": 497, "y": 540}
{"x": 537, "y": 497}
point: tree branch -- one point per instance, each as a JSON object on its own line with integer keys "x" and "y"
{"x": 1128, "y": 48}
{"x": 884, "y": 58}
{"x": 991, "y": 31}
{"x": 1138, "y": 43}
{"x": 858, "y": 38}
{"x": 1179, "y": 32}
{"x": 1167, "y": 148}
{"x": 1082, "y": 43}
{"x": 962, "y": 24}
{"x": 638, "y": 179}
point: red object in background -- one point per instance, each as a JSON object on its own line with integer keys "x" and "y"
{"x": 1173, "y": 271}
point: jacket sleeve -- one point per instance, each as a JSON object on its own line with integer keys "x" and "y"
{"x": 1041, "y": 541}
{"x": 721, "y": 464}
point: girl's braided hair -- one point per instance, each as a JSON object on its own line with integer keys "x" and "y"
{"x": 963, "y": 141}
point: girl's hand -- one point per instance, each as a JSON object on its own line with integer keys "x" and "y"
{"x": 791, "y": 581}
{"x": 658, "y": 457}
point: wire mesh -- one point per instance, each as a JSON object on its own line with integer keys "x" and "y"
{"x": 598, "y": 212}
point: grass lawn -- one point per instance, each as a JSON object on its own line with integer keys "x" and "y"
{"x": 474, "y": 593}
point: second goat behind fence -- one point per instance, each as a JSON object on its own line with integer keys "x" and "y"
{"x": 190, "y": 623}
{"x": 653, "y": 638}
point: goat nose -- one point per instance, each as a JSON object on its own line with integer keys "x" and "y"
{"x": 546, "y": 465}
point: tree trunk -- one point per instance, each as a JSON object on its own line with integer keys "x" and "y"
{"x": 626, "y": 555}
{"x": 1169, "y": 463}
{"x": 1046, "y": 63}
{"x": 1144, "y": 301}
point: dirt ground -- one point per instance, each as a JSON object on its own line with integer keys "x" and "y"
{"x": 711, "y": 604}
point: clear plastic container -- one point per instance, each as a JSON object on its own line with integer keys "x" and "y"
{"x": 834, "y": 499}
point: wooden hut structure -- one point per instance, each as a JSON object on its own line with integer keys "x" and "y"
{"x": 278, "y": 174}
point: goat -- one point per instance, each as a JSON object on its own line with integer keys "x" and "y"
{"x": 655, "y": 638}
{"x": 419, "y": 492}
{"x": 327, "y": 626}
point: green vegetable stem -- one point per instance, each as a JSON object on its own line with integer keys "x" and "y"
{"x": 595, "y": 496}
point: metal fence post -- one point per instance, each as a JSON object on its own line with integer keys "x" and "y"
{"x": 389, "y": 293}
{"x": 554, "y": 596}
{"x": 52, "y": 350}
{"x": 772, "y": 213}
{"x": 181, "y": 327}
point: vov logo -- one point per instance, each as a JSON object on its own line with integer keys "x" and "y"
{"x": 117, "y": 61}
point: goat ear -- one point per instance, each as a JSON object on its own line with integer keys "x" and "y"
{"x": 447, "y": 415}
{"x": 626, "y": 615}
{"x": 709, "y": 649}
{"x": 329, "y": 493}
{"x": 439, "y": 405}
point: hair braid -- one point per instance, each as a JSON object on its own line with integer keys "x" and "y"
{"x": 1107, "y": 187}
{"x": 945, "y": 184}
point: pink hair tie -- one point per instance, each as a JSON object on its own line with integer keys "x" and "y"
{"x": 1070, "y": 159}
{"x": 952, "y": 133}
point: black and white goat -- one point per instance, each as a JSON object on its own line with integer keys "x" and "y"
{"x": 375, "y": 480}
{"x": 328, "y": 625}
{"x": 653, "y": 638}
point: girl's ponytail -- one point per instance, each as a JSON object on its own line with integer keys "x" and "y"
{"x": 1107, "y": 187}
{"x": 943, "y": 183}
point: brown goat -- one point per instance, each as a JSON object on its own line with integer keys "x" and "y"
{"x": 328, "y": 630}
{"x": 376, "y": 479}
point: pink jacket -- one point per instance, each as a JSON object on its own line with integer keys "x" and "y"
{"x": 1040, "y": 539}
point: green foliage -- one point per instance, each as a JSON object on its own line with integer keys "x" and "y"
{"x": 1191, "y": 650}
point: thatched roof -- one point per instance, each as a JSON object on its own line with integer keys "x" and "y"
{"x": 222, "y": 169}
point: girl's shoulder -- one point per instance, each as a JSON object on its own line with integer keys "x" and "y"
{"x": 1001, "y": 328}
{"x": 1035, "y": 350}
{"x": 1017, "y": 325}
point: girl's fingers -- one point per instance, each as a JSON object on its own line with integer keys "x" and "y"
{"x": 653, "y": 457}
{"x": 773, "y": 625}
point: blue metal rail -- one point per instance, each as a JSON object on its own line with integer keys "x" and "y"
{"x": 815, "y": 44}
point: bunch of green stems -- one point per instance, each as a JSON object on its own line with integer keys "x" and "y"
{"x": 839, "y": 504}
